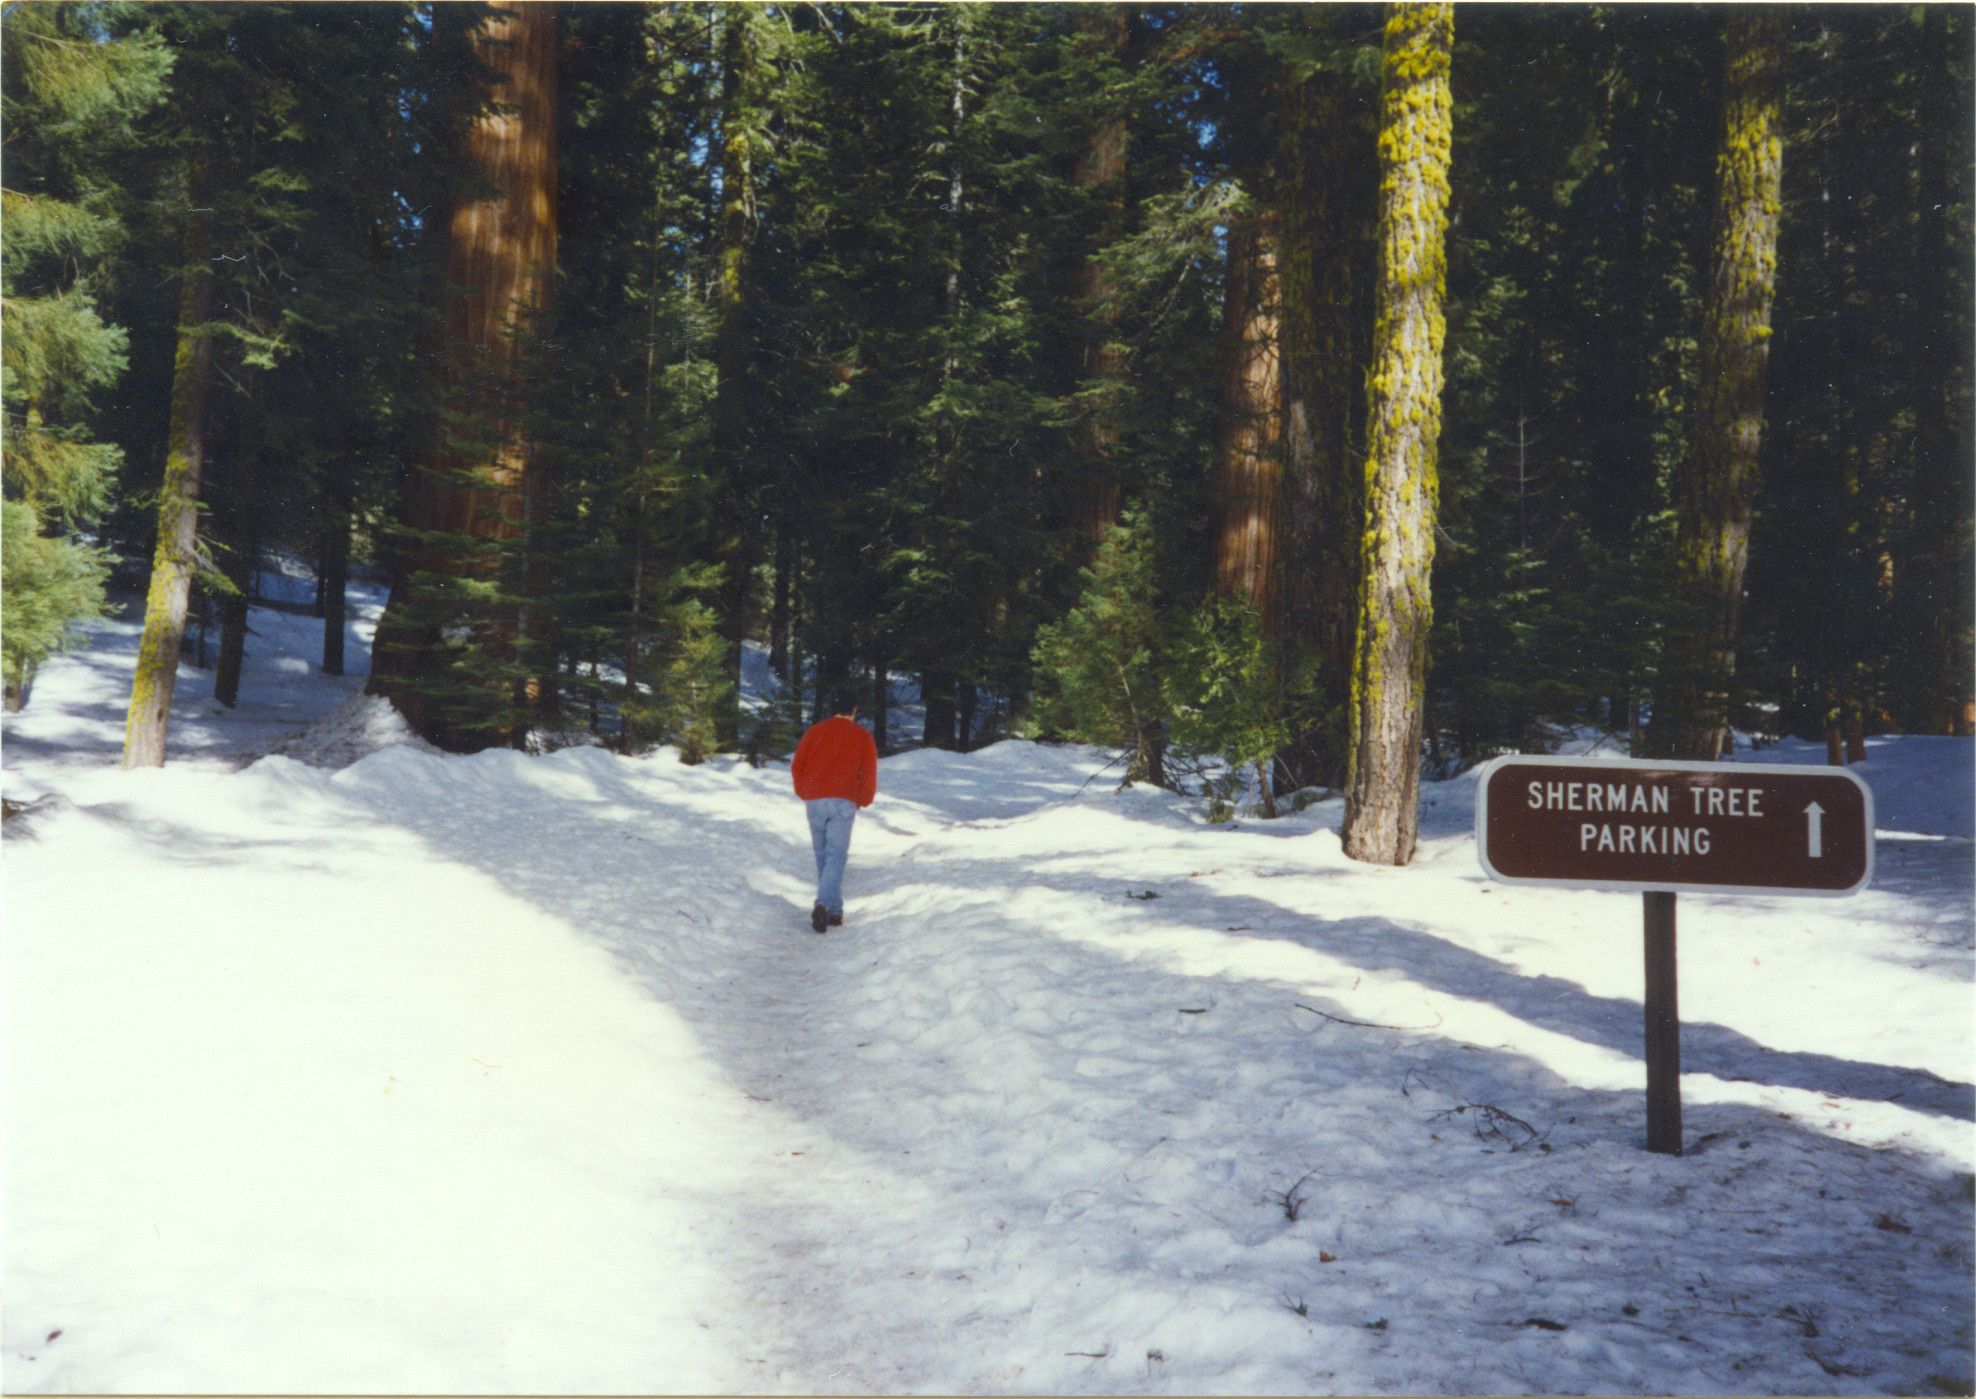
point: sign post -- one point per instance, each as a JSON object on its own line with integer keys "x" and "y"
{"x": 1663, "y": 1028}
{"x": 1665, "y": 827}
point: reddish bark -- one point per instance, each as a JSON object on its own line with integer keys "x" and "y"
{"x": 1249, "y": 444}
{"x": 477, "y": 483}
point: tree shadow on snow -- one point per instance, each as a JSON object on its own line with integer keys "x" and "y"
{"x": 1564, "y": 1007}
{"x": 1548, "y": 1002}
{"x": 1158, "y": 1072}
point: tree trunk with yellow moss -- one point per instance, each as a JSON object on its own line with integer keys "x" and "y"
{"x": 175, "y": 560}
{"x": 1718, "y": 480}
{"x": 1389, "y": 665}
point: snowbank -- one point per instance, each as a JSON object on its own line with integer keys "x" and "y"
{"x": 368, "y": 1068}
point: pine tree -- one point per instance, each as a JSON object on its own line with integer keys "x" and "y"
{"x": 1937, "y": 588}
{"x": 886, "y": 310}
{"x": 1325, "y": 200}
{"x": 1719, "y": 476}
{"x": 1568, "y": 263}
{"x": 685, "y": 663}
{"x": 1105, "y": 32}
{"x": 176, "y": 558}
{"x": 1808, "y": 631}
{"x": 1099, "y": 670}
{"x": 916, "y": 234}
{"x": 1390, "y": 656}
{"x": 621, "y": 367}
{"x": 1233, "y": 694}
{"x": 229, "y": 207}
{"x": 354, "y": 406}
{"x": 240, "y": 526}
{"x": 72, "y": 95}
{"x": 739, "y": 140}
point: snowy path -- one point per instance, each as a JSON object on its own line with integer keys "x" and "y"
{"x": 513, "y": 1074}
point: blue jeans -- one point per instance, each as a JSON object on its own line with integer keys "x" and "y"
{"x": 830, "y": 834}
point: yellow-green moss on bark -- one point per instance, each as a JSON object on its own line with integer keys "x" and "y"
{"x": 1389, "y": 667}
{"x": 175, "y": 559}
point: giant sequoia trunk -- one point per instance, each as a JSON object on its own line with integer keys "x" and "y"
{"x": 1248, "y": 465}
{"x": 176, "y": 558}
{"x": 1100, "y": 169}
{"x": 478, "y": 490}
{"x": 1718, "y": 480}
{"x": 1389, "y": 668}
{"x": 1321, "y": 509}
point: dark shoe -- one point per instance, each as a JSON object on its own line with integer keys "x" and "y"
{"x": 836, "y": 920}
{"x": 819, "y": 918}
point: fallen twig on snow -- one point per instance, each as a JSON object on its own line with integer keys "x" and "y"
{"x": 1365, "y": 1024}
{"x": 1491, "y": 1122}
{"x": 1291, "y": 1202}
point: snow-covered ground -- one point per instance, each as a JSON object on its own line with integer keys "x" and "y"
{"x": 367, "y": 1068}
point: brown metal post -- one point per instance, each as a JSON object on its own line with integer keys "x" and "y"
{"x": 1663, "y": 1029}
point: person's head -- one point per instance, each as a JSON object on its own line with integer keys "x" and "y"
{"x": 844, "y": 703}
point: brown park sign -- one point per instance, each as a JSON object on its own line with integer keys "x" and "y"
{"x": 1621, "y": 823}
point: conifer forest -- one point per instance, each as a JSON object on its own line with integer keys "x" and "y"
{"x": 1338, "y": 392}
{"x": 1297, "y": 532}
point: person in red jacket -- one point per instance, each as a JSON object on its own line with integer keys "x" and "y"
{"x": 836, "y": 773}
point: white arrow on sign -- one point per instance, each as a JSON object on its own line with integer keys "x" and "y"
{"x": 1814, "y": 816}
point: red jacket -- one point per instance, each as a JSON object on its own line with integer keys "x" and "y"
{"x": 836, "y": 759}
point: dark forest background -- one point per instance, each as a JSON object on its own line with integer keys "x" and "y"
{"x": 1022, "y": 348}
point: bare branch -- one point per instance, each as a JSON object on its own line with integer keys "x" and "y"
{"x": 1366, "y": 1024}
